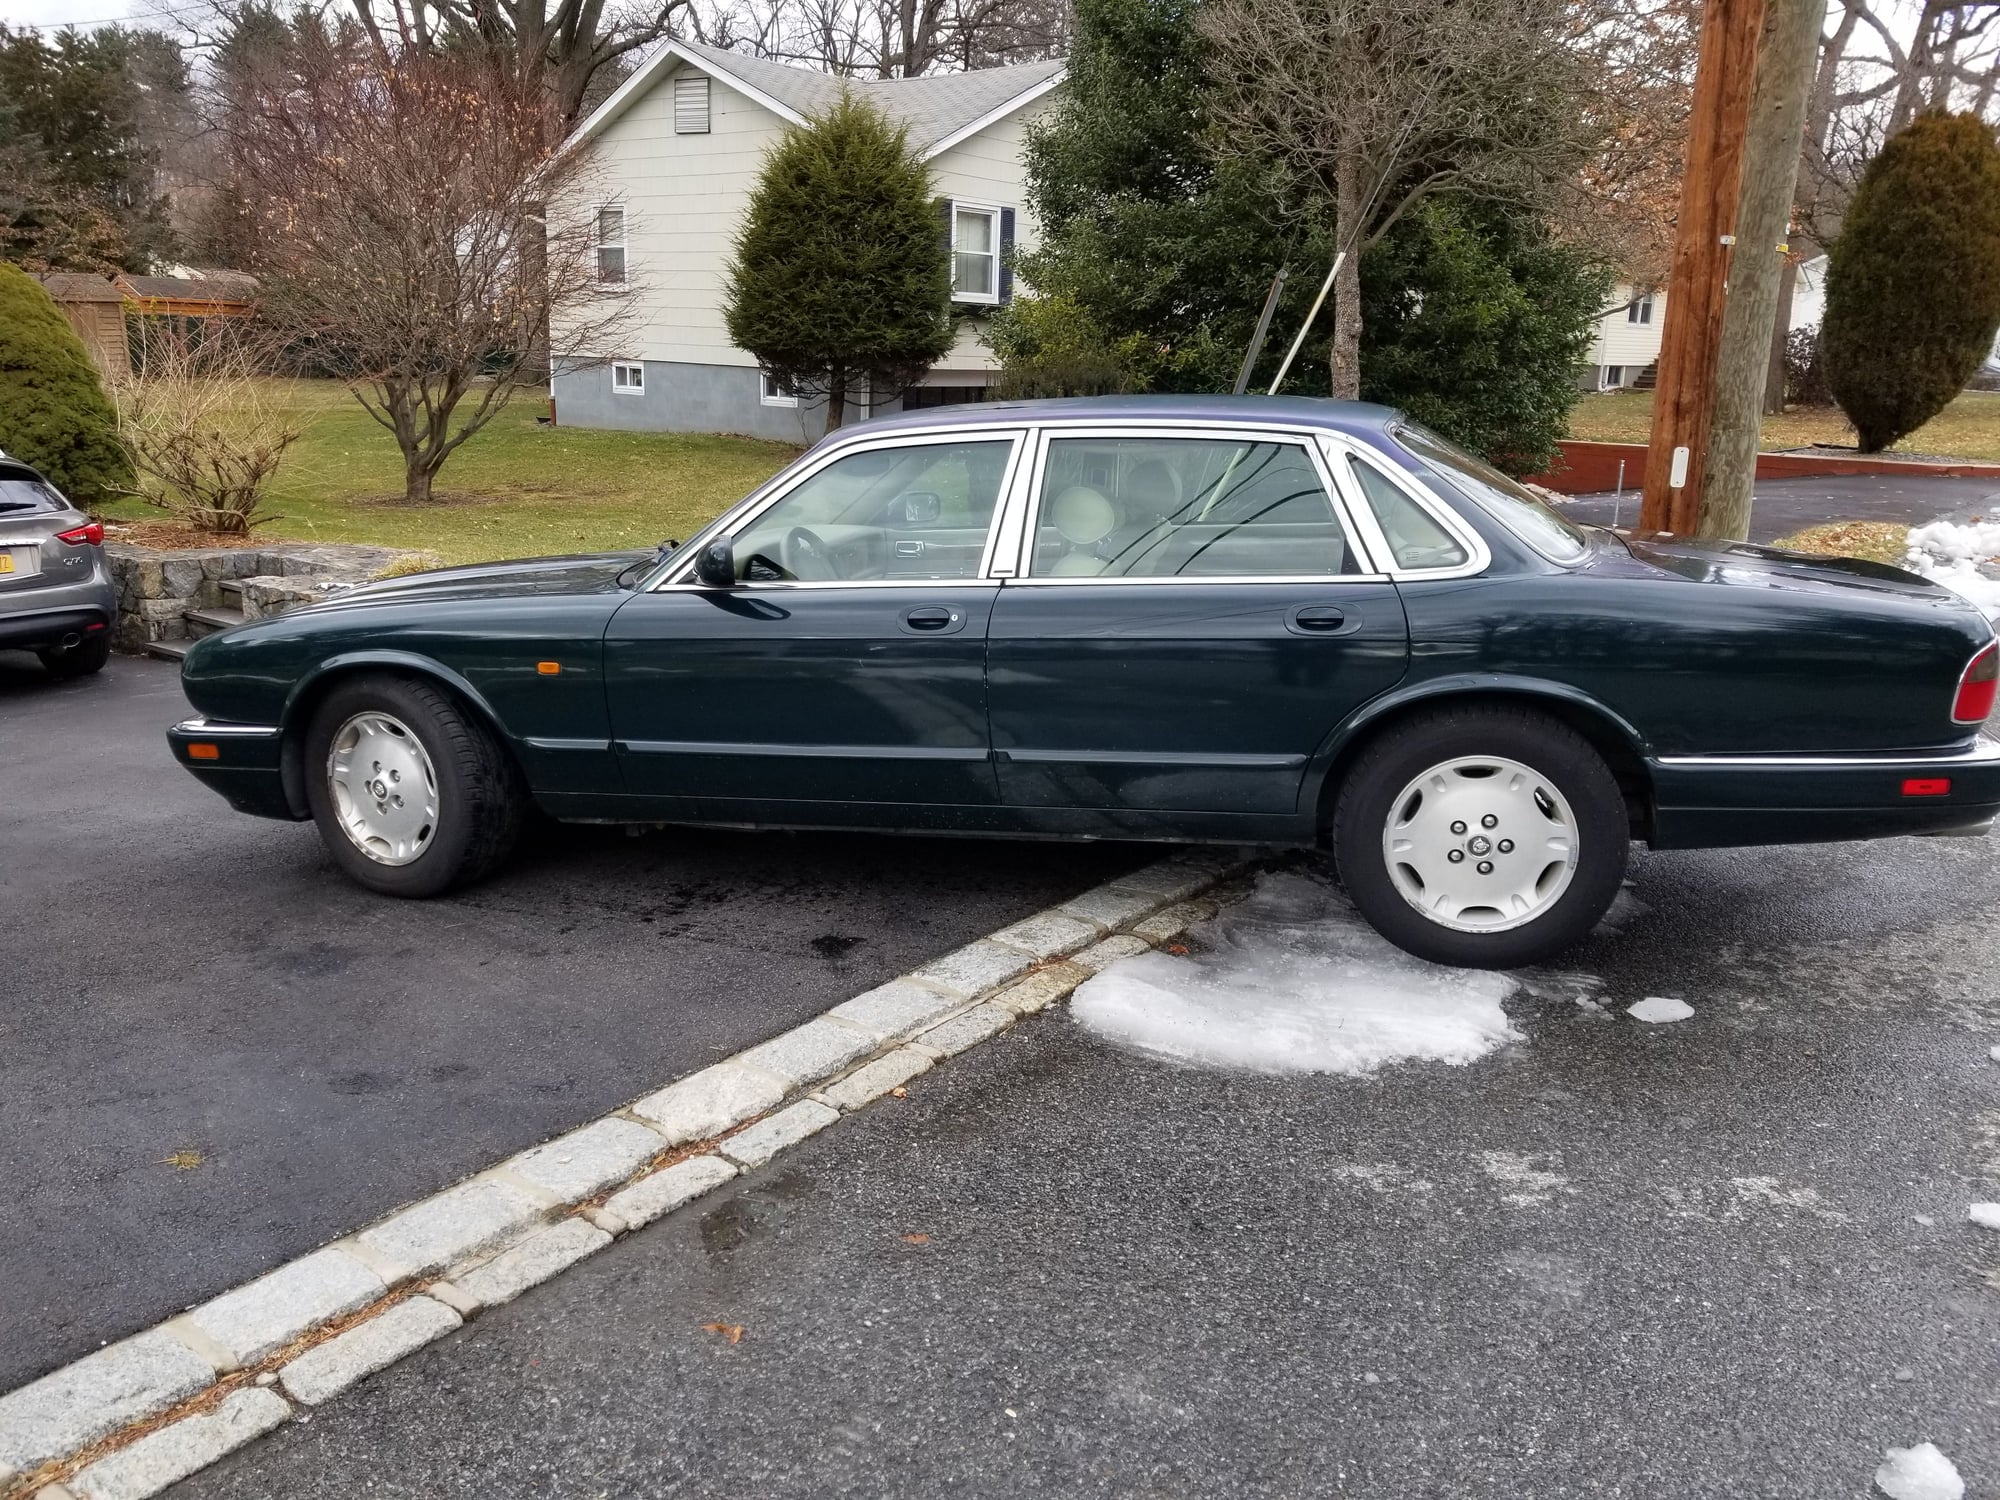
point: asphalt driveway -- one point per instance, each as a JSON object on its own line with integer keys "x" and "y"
{"x": 1783, "y": 506}
{"x": 215, "y": 1053}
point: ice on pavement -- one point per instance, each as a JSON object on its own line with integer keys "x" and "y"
{"x": 1985, "y": 1215}
{"x": 1293, "y": 981}
{"x": 1660, "y": 1009}
{"x": 1919, "y": 1473}
{"x": 1948, "y": 553}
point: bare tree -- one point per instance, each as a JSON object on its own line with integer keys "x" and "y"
{"x": 890, "y": 38}
{"x": 402, "y": 242}
{"x": 1378, "y": 103}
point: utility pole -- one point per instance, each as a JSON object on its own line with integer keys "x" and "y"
{"x": 1683, "y": 403}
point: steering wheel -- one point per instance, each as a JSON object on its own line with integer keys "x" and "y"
{"x": 806, "y": 557}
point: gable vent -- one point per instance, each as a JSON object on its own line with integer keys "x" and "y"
{"x": 690, "y": 104}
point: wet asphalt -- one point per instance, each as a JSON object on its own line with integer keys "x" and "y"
{"x": 1725, "y": 1257}
{"x": 216, "y": 1053}
{"x": 1783, "y": 506}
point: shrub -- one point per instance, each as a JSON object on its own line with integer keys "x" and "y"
{"x": 1913, "y": 281}
{"x": 1050, "y": 346}
{"x": 1805, "y": 370}
{"x": 53, "y": 411}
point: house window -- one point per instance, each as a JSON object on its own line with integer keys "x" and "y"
{"x": 975, "y": 253}
{"x": 690, "y": 104}
{"x": 611, "y": 244}
{"x": 774, "y": 392}
{"x": 1614, "y": 376}
{"x": 628, "y": 378}
{"x": 1641, "y": 310}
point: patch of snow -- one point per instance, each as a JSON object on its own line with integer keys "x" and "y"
{"x": 1757, "y": 1190}
{"x": 1994, "y": 1053}
{"x": 1919, "y": 1473}
{"x": 1382, "y": 1177}
{"x": 1950, "y": 554}
{"x": 1532, "y": 1186}
{"x": 1659, "y": 1010}
{"x": 1985, "y": 1215}
{"x": 1293, "y": 981}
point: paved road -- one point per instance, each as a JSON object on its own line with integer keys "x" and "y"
{"x": 1746, "y": 1273}
{"x": 1783, "y": 506}
{"x": 178, "y": 978}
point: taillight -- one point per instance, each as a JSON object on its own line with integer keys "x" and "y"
{"x": 90, "y": 534}
{"x": 1976, "y": 686}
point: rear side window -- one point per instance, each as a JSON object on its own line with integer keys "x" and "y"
{"x": 1508, "y": 502}
{"x": 1416, "y": 540}
{"x": 1185, "y": 508}
{"x": 23, "y": 496}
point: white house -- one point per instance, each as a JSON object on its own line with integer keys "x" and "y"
{"x": 678, "y": 150}
{"x": 1628, "y": 338}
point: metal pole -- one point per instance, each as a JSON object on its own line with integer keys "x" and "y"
{"x": 1618, "y": 496}
{"x": 1305, "y": 327}
{"x": 1263, "y": 327}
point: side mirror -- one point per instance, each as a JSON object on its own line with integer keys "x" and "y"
{"x": 716, "y": 567}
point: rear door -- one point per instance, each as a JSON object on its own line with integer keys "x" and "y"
{"x": 848, "y": 664}
{"x": 1192, "y": 616}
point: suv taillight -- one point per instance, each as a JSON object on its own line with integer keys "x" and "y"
{"x": 90, "y": 534}
{"x": 1976, "y": 685}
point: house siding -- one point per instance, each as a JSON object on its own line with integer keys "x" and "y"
{"x": 1622, "y": 342}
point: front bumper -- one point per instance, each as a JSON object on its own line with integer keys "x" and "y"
{"x": 245, "y": 763}
{"x": 1722, "y": 801}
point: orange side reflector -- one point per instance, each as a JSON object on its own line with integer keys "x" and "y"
{"x": 548, "y": 668}
{"x": 204, "y": 752}
{"x": 1927, "y": 786}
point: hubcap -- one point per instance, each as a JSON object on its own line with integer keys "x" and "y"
{"x": 1480, "y": 844}
{"x": 384, "y": 791}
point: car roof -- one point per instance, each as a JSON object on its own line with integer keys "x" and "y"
{"x": 1357, "y": 418}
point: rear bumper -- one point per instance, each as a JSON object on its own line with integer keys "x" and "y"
{"x": 246, "y": 768}
{"x": 37, "y": 617}
{"x": 1719, "y": 801}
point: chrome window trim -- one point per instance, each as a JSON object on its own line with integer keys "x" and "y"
{"x": 1340, "y": 451}
{"x": 1049, "y": 432}
{"x": 681, "y": 566}
{"x": 1981, "y": 750}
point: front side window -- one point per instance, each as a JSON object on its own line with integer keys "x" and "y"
{"x": 1416, "y": 540}
{"x": 1185, "y": 508}
{"x": 1509, "y": 502}
{"x": 611, "y": 244}
{"x": 911, "y": 511}
{"x": 975, "y": 254}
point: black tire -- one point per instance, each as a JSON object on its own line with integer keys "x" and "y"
{"x": 481, "y": 800}
{"x": 1434, "y": 737}
{"x": 80, "y": 660}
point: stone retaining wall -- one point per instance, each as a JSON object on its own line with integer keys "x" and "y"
{"x": 156, "y": 587}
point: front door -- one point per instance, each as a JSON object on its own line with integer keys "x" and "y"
{"x": 1193, "y": 621}
{"x": 847, "y": 666}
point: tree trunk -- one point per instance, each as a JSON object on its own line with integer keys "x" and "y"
{"x": 1344, "y": 359}
{"x": 1918, "y": 67}
{"x": 1763, "y": 208}
{"x": 1781, "y": 333}
{"x": 418, "y": 472}
{"x": 836, "y": 401}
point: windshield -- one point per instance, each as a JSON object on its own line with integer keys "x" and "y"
{"x": 1508, "y": 501}
{"x": 22, "y": 496}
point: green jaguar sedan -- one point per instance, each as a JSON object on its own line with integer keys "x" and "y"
{"x": 1246, "y": 620}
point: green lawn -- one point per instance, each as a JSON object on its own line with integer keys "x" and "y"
{"x": 1968, "y": 428}
{"x": 514, "y": 490}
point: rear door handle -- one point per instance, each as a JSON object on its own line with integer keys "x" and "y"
{"x": 1319, "y": 619}
{"x": 933, "y": 619}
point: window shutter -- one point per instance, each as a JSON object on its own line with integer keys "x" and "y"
{"x": 950, "y": 248}
{"x": 691, "y": 104}
{"x": 1006, "y": 256}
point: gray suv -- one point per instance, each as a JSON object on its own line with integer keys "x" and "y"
{"x": 56, "y": 594}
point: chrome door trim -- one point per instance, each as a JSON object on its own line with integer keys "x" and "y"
{"x": 1982, "y": 751}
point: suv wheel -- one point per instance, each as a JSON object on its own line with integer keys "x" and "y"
{"x": 79, "y": 660}
{"x": 412, "y": 794}
{"x": 1484, "y": 837}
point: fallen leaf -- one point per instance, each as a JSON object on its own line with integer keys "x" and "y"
{"x": 1179, "y": 950}
{"x": 731, "y": 1331}
{"x": 916, "y": 1239}
{"x": 899, "y": 1093}
{"x": 182, "y": 1161}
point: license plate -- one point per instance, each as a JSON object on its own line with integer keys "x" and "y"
{"x": 6, "y": 562}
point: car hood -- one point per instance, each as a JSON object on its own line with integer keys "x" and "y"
{"x": 539, "y": 575}
{"x": 1744, "y": 565}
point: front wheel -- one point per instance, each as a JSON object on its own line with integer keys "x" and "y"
{"x": 1484, "y": 837}
{"x": 413, "y": 795}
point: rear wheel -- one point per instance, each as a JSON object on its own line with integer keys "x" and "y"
{"x": 413, "y": 795}
{"x": 1484, "y": 837}
{"x": 79, "y": 660}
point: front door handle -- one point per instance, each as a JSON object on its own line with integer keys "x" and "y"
{"x": 1320, "y": 619}
{"x": 933, "y": 619}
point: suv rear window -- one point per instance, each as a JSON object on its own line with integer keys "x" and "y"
{"x": 24, "y": 495}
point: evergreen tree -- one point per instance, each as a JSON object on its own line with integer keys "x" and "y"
{"x": 53, "y": 411}
{"x": 841, "y": 281}
{"x": 1913, "y": 281}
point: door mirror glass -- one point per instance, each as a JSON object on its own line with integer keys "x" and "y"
{"x": 716, "y": 567}
{"x": 1186, "y": 508}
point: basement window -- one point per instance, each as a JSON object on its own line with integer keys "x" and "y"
{"x": 628, "y": 378}
{"x": 773, "y": 392}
